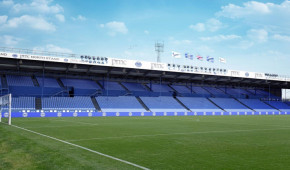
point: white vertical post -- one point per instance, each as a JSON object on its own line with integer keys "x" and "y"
{"x": 9, "y": 109}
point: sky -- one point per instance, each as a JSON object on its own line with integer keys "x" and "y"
{"x": 250, "y": 35}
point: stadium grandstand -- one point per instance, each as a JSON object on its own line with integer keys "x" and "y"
{"x": 46, "y": 84}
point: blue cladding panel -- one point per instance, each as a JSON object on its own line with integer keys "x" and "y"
{"x": 123, "y": 113}
{"x": 234, "y": 113}
{"x": 53, "y": 114}
{"x": 82, "y": 114}
{"x": 87, "y": 114}
{"x": 190, "y": 113}
{"x": 110, "y": 113}
{"x": 67, "y": 114}
{"x": 209, "y": 113}
{"x": 136, "y": 113}
{"x": 97, "y": 113}
{"x": 226, "y": 113}
{"x": 243, "y": 113}
{"x": 180, "y": 113}
{"x": 170, "y": 114}
{"x": 199, "y": 113}
{"x": 159, "y": 113}
{"x": 148, "y": 114}
{"x": 217, "y": 113}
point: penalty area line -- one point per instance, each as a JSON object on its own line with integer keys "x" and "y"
{"x": 84, "y": 148}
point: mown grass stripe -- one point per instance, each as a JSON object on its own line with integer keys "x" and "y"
{"x": 84, "y": 148}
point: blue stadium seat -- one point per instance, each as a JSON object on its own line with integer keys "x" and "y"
{"x": 23, "y": 103}
{"x": 279, "y": 105}
{"x": 134, "y": 86}
{"x": 163, "y": 104}
{"x": 119, "y": 104}
{"x": 216, "y": 92}
{"x": 82, "y": 87}
{"x": 199, "y": 104}
{"x": 258, "y": 105}
{"x": 47, "y": 82}
{"x": 202, "y": 92}
{"x": 77, "y": 102}
{"x": 181, "y": 89}
{"x": 14, "y": 80}
{"x": 230, "y": 105}
{"x": 112, "y": 88}
{"x": 80, "y": 83}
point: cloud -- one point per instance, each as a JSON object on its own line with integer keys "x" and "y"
{"x": 146, "y": 32}
{"x": 248, "y": 9}
{"x": 3, "y": 19}
{"x": 281, "y": 37}
{"x": 213, "y": 25}
{"x": 9, "y": 40}
{"x": 60, "y": 17}
{"x": 181, "y": 42}
{"x": 270, "y": 16}
{"x": 172, "y": 40}
{"x": 79, "y": 18}
{"x": 27, "y": 21}
{"x": 258, "y": 35}
{"x": 221, "y": 38}
{"x": 38, "y": 6}
{"x": 7, "y": 3}
{"x": 198, "y": 27}
{"x": 210, "y": 25}
{"x": 115, "y": 27}
{"x": 53, "y": 48}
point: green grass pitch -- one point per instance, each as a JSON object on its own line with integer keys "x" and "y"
{"x": 195, "y": 142}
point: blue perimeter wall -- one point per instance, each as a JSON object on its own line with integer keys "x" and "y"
{"x": 91, "y": 113}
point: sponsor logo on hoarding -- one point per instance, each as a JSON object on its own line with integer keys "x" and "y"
{"x": 138, "y": 64}
{"x": 14, "y": 55}
{"x": 157, "y": 66}
{"x": 247, "y": 74}
{"x": 42, "y": 114}
{"x": 65, "y": 60}
{"x": 24, "y": 56}
{"x": 259, "y": 75}
{"x": 24, "y": 114}
{"x": 235, "y": 73}
{"x": 271, "y": 75}
{"x": 3, "y": 54}
{"x": 119, "y": 62}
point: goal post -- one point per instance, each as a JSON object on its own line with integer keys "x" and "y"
{"x": 5, "y": 108}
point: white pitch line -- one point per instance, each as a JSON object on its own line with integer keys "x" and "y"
{"x": 84, "y": 148}
{"x": 169, "y": 134}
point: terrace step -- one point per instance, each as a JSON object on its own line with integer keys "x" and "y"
{"x": 191, "y": 90}
{"x": 35, "y": 82}
{"x": 142, "y": 103}
{"x": 244, "y": 104}
{"x": 271, "y": 106}
{"x": 182, "y": 104}
{"x": 96, "y": 104}
{"x": 100, "y": 84}
{"x": 38, "y": 104}
{"x": 146, "y": 86}
{"x": 215, "y": 104}
{"x": 60, "y": 83}
{"x": 124, "y": 87}
{"x": 208, "y": 92}
{"x": 4, "y": 82}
